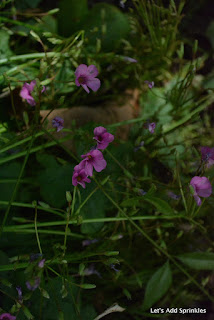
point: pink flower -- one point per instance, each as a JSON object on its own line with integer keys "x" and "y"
{"x": 41, "y": 263}
{"x": 33, "y": 284}
{"x": 80, "y": 176}
{"x": 93, "y": 158}
{"x": 7, "y": 316}
{"x": 86, "y": 77}
{"x": 102, "y": 137}
{"x": 151, "y": 126}
{"x": 151, "y": 84}
{"x": 207, "y": 155}
{"x": 58, "y": 123}
{"x": 26, "y": 92}
{"x": 201, "y": 188}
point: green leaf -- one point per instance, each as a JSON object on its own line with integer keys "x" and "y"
{"x": 88, "y": 286}
{"x": 131, "y": 202}
{"x": 107, "y": 23}
{"x": 5, "y": 51}
{"x": 54, "y": 182}
{"x": 198, "y": 260}
{"x": 157, "y": 286}
{"x": 71, "y": 16}
{"x": 161, "y": 205}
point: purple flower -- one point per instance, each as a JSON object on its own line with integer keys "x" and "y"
{"x": 19, "y": 290}
{"x": 80, "y": 176}
{"x": 150, "y": 83}
{"x": 35, "y": 256}
{"x": 26, "y": 92}
{"x": 41, "y": 263}
{"x": 130, "y": 59}
{"x": 91, "y": 270}
{"x": 33, "y": 284}
{"x": 92, "y": 159}
{"x": 142, "y": 192}
{"x": 151, "y": 126}
{"x": 201, "y": 187}
{"x": 43, "y": 89}
{"x": 7, "y": 316}
{"x": 102, "y": 137}
{"x": 86, "y": 77}
{"x": 88, "y": 242}
{"x": 58, "y": 123}
{"x": 207, "y": 155}
{"x": 173, "y": 196}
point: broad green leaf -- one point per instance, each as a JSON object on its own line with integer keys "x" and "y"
{"x": 5, "y": 51}
{"x": 157, "y": 286}
{"x": 107, "y": 23}
{"x": 71, "y": 16}
{"x": 161, "y": 205}
{"x": 198, "y": 260}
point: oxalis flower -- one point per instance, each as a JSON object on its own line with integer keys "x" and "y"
{"x": 150, "y": 126}
{"x": 150, "y": 84}
{"x": 7, "y": 316}
{"x": 26, "y": 91}
{"x": 93, "y": 158}
{"x": 200, "y": 187}
{"x": 102, "y": 137}
{"x": 33, "y": 284}
{"x": 58, "y": 123}
{"x": 80, "y": 176}
{"x": 207, "y": 156}
{"x": 86, "y": 77}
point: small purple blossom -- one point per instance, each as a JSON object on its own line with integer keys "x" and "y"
{"x": 58, "y": 123}
{"x": 33, "y": 284}
{"x": 207, "y": 156}
{"x": 93, "y": 159}
{"x": 80, "y": 176}
{"x": 19, "y": 291}
{"x": 102, "y": 137}
{"x": 43, "y": 89}
{"x": 173, "y": 196}
{"x": 131, "y": 60}
{"x": 88, "y": 242}
{"x": 7, "y": 316}
{"x": 150, "y": 126}
{"x": 35, "y": 256}
{"x": 86, "y": 77}
{"x": 142, "y": 192}
{"x": 26, "y": 92}
{"x": 41, "y": 263}
{"x": 151, "y": 84}
{"x": 201, "y": 187}
{"x": 90, "y": 271}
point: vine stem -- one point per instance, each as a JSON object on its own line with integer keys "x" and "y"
{"x": 155, "y": 244}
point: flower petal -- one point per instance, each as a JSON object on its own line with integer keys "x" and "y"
{"x": 94, "y": 84}
{"x": 82, "y": 69}
{"x": 92, "y": 70}
{"x": 99, "y": 130}
{"x": 85, "y": 87}
{"x": 99, "y": 165}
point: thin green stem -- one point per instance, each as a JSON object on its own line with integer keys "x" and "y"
{"x": 28, "y": 205}
{"x": 161, "y": 250}
{"x": 128, "y": 173}
{"x": 36, "y": 230}
{"x": 112, "y": 219}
